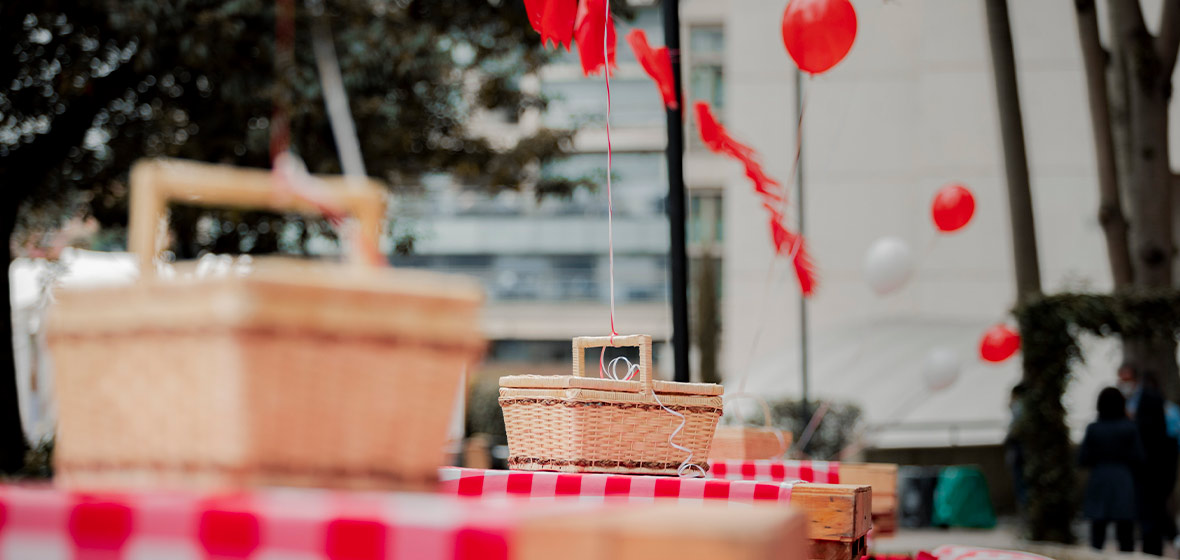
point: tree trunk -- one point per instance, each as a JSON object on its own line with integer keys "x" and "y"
{"x": 1110, "y": 207}
{"x": 1149, "y": 176}
{"x": 1024, "y": 236}
{"x": 12, "y": 436}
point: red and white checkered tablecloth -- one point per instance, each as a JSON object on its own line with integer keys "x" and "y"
{"x": 46, "y": 524}
{"x": 825, "y": 472}
{"x": 594, "y": 487}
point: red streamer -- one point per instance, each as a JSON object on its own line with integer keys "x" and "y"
{"x": 553, "y": 19}
{"x": 594, "y": 27}
{"x": 657, "y": 63}
{"x": 786, "y": 242}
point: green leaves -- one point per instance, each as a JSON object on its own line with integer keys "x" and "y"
{"x": 204, "y": 83}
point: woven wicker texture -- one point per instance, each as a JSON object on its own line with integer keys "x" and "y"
{"x": 574, "y": 429}
{"x": 308, "y": 374}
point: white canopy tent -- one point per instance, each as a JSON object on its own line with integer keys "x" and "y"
{"x": 29, "y": 282}
{"x": 878, "y": 366}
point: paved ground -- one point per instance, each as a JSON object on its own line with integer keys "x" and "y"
{"x": 1005, "y": 536}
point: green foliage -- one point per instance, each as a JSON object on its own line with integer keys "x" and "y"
{"x": 88, "y": 87}
{"x": 1049, "y": 327}
{"x": 836, "y": 432}
{"x": 483, "y": 410}
{"x": 38, "y": 464}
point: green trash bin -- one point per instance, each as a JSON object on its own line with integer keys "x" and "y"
{"x": 961, "y": 499}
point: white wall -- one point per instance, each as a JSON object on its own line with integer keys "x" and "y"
{"x": 910, "y": 109}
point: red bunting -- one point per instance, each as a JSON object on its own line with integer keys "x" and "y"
{"x": 792, "y": 245}
{"x": 553, "y": 19}
{"x": 786, "y": 242}
{"x": 592, "y": 23}
{"x": 656, "y": 63}
{"x": 717, "y": 139}
{"x": 535, "y": 9}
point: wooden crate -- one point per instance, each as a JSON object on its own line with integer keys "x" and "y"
{"x": 748, "y": 443}
{"x": 708, "y": 531}
{"x": 839, "y": 517}
{"x": 882, "y": 477}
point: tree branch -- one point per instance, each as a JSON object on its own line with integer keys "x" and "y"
{"x": 67, "y": 131}
{"x": 1110, "y": 208}
{"x": 1169, "y": 37}
{"x": 1127, "y": 17}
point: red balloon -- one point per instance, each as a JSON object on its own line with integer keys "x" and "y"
{"x": 998, "y": 344}
{"x": 953, "y": 208}
{"x": 818, "y": 33}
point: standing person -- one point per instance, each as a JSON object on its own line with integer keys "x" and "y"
{"x": 1014, "y": 451}
{"x": 1159, "y": 474}
{"x": 1113, "y": 453}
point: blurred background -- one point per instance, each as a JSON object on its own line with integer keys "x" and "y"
{"x": 495, "y": 152}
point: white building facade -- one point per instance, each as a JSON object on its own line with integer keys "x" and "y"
{"x": 911, "y": 109}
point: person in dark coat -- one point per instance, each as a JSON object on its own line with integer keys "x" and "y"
{"x": 1112, "y": 451}
{"x": 1014, "y": 451}
{"x": 1158, "y": 476}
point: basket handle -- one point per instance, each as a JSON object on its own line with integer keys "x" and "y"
{"x": 155, "y": 183}
{"x": 641, "y": 341}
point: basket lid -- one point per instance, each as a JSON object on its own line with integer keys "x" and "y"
{"x": 599, "y": 384}
{"x": 283, "y": 294}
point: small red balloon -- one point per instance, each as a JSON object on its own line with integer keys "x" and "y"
{"x": 999, "y": 343}
{"x": 818, "y": 33}
{"x": 953, "y": 208}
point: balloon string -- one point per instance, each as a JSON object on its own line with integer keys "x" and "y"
{"x": 610, "y": 231}
{"x": 632, "y": 369}
{"x": 609, "y": 204}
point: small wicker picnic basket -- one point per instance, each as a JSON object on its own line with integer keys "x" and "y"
{"x": 584, "y": 424}
{"x": 297, "y": 373}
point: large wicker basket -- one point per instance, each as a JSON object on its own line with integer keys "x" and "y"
{"x": 298, "y": 373}
{"x": 581, "y": 424}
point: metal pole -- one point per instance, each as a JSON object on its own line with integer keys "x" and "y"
{"x": 803, "y": 365}
{"x": 678, "y": 255}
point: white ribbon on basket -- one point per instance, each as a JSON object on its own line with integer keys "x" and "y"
{"x": 611, "y": 372}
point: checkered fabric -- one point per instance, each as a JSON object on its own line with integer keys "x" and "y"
{"x": 824, "y": 472}
{"x": 592, "y": 487}
{"x": 46, "y": 524}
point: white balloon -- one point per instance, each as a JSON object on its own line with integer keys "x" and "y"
{"x": 941, "y": 369}
{"x": 888, "y": 265}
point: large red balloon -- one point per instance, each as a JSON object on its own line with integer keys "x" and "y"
{"x": 953, "y": 208}
{"x": 818, "y": 33}
{"x": 998, "y": 344}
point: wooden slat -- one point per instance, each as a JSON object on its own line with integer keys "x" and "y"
{"x": 836, "y": 512}
{"x": 882, "y": 477}
{"x": 836, "y": 550}
{"x": 885, "y": 524}
{"x": 644, "y": 532}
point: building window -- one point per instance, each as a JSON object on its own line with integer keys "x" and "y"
{"x": 705, "y": 222}
{"x": 706, "y": 232}
{"x": 706, "y": 73}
